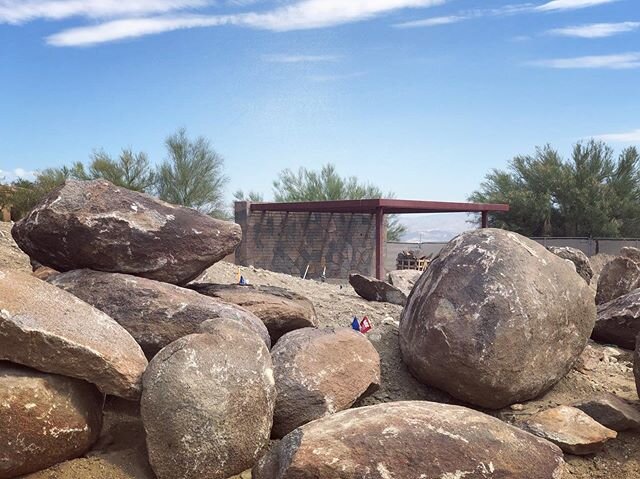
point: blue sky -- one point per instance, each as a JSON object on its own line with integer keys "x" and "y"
{"x": 421, "y": 97}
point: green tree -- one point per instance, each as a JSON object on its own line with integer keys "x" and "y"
{"x": 591, "y": 194}
{"x": 131, "y": 170}
{"x": 326, "y": 185}
{"x": 192, "y": 175}
{"x": 253, "y": 196}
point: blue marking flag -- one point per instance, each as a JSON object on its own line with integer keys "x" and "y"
{"x": 355, "y": 324}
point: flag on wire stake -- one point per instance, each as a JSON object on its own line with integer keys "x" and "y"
{"x": 355, "y": 324}
{"x": 365, "y": 325}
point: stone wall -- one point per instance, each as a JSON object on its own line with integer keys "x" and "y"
{"x": 289, "y": 242}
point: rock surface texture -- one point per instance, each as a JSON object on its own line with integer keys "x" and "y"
{"x": 280, "y": 310}
{"x": 44, "y": 419}
{"x": 207, "y": 405}
{"x": 619, "y": 321}
{"x": 578, "y": 258}
{"x": 611, "y": 411}
{"x": 496, "y": 319}
{"x": 571, "y": 429}
{"x": 631, "y": 253}
{"x": 404, "y": 279}
{"x": 373, "y": 289}
{"x": 620, "y": 276}
{"x": 154, "y": 313}
{"x": 96, "y": 225}
{"x": 320, "y": 372}
{"x": 51, "y": 330}
{"x": 410, "y": 440}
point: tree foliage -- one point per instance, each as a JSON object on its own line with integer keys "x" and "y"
{"x": 327, "y": 185}
{"x": 192, "y": 175}
{"x": 591, "y": 194}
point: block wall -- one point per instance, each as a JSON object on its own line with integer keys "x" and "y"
{"x": 289, "y": 242}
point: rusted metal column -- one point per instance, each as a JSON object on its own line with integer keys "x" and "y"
{"x": 485, "y": 219}
{"x": 379, "y": 242}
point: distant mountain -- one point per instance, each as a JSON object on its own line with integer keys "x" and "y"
{"x": 435, "y": 228}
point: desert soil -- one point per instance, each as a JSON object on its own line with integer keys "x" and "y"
{"x": 120, "y": 452}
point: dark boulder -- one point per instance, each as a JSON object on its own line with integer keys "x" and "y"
{"x": 154, "y": 313}
{"x": 578, "y": 258}
{"x": 96, "y": 225}
{"x": 207, "y": 405}
{"x": 410, "y": 440}
{"x": 373, "y": 289}
{"x": 320, "y": 372}
{"x": 51, "y": 330}
{"x": 44, "y": 419}
{"x": 280, "y": 310}
{"x": 619, "y": 321}
{"x": 618, "y": 277}
{"x": 496, "y": 319}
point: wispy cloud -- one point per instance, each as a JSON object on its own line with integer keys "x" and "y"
{"x": 131, "y": 28}
{"x": 612, "y": 62}
{"x": 301, "y": 15}
{"x": 553, "y": 6}
{"x": 595, "y": 30}
{"x": 632, "y": 136}
{"x": 22, "y": 11}
{"x": 556, "y": 5}
{"x": 288, "y": 58}
{"x": 433, "y": 21}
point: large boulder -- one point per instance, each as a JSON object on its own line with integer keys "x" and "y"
{"x": 496, "y": 319}
{"x": 578, "y": 258}
{"x": 373, "y": 289}
{"x": 410, "y": 440}
{"x": 572, "y": 430}
{"x": 51, "y": 330}
{"x": 154, "y": 313}
{"x": 320, "y": 372}
{"x": 96, "y": 225}
{"x": 618, "y": 277}
{"x": 207, "y": 405}
{"x": 45, "y": 419}
{"x": 636, "y": 365}
{"x": 631, "y": 253}
{"x": 279, "y": 309}
{"x": 619, "y": 321}
{"x": 404, "y": 279}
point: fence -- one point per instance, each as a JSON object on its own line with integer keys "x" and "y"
{"x": 590, "y": 246}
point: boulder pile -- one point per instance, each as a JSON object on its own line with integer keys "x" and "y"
{"x": 495, "y": 320}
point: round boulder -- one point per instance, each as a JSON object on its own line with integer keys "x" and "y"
{"x": 496, "y": 319}
{"x": 45, "y": 419}
{"x": 97, "y": 225}
{"x": 320, "y": 372}
{"x": 578, "y": 258}
{"x": 207, "y": 403}
{"x": 410, "y": 440}
{"x": 618, "y": 277}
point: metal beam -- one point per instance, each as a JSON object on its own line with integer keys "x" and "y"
{"x": 379, "y": 242}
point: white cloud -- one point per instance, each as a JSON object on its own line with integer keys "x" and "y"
{"x": 613, "y": 62}
{"x": 556, "y": 5}
{"x": 21, "y": 11}
{"x": 287, "y": 58}
{"x": 131, "y": 28}
{"x": 433, "y": 21}
{"x": 595, "y": 30}
{"x": 305, "y": 14}
{"x": 627, "y": 137}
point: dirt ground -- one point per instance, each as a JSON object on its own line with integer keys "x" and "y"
{"x": 120, "y": 452}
